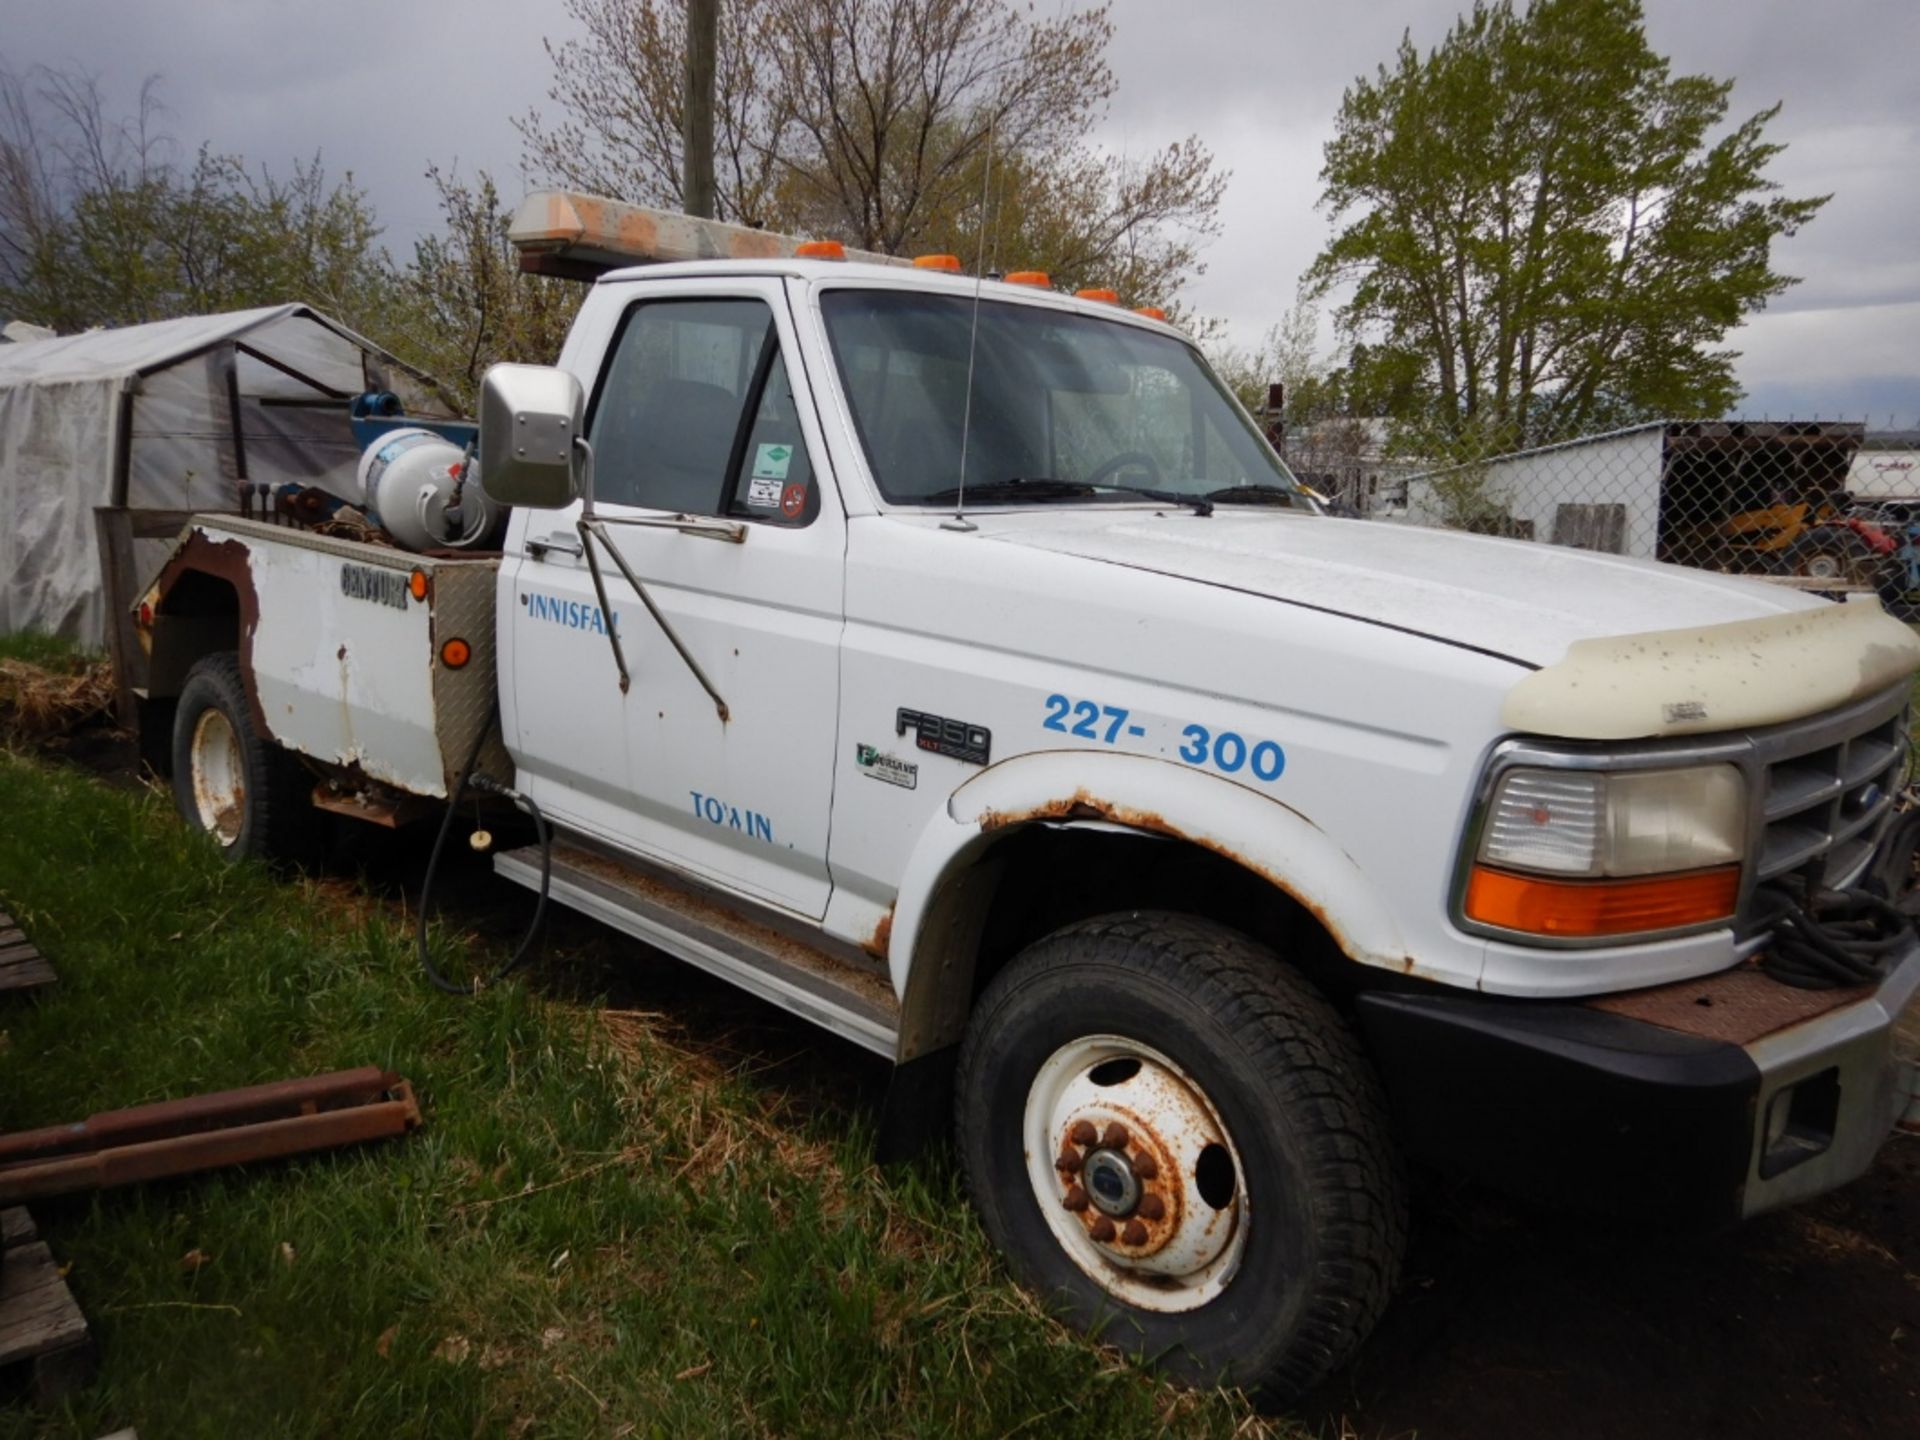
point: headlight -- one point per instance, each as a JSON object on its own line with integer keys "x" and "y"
{"x": 1573, "y": 854}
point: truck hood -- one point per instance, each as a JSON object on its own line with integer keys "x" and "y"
{"x": 1616, "y": 648}
{"x": 1517, "y": 599}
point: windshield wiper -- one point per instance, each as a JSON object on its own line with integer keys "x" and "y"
{"x": 1043, "y": 488}
{"x": 1254, "y": 495}
{"x": 1015, "y": 487}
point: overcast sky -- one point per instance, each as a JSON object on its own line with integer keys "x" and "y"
{"x": 381, "y": 87}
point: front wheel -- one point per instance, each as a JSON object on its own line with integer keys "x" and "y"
{"x": 1176, "y": 1140}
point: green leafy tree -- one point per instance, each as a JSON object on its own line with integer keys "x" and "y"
{"x": 463, "y": 302}
{"x": 101, "y": 225}
{"x": 1543, "y": 235}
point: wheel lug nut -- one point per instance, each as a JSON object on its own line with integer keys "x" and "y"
{"x": 1145, "y": 1166}
{"x": 1135, "y": 1233}
{"x": 1116, "y": 1136}
{"x": 1152, "y": 1207}
{"x": 1076, "y": 1198}
{"x": 1083, "y": 1133}
{"x": 1102, "y": 1230}
{"x": 1069, "y": 1161}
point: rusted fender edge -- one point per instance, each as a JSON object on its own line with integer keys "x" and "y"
{"x": 1251, "y": 829}
{"x": 196, "y": 553}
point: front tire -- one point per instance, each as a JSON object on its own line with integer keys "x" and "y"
{"x": 249, "y": 796}
{"x": 1176, "y": 1140}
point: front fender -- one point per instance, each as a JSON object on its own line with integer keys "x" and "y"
{"x": 1154, "y": 796}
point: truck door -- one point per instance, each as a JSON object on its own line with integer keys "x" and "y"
{"x": 696, "y": 413}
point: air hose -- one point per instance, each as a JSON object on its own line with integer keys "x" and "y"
{"x": 468, "y": 780}
{"x": 1831, "y": 939}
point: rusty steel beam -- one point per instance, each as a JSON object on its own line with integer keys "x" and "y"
{"x": 205, "y": 1132}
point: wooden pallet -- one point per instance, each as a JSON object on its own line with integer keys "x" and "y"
{"x": 40, "y": 1325}
{"x": 21, "y": 966}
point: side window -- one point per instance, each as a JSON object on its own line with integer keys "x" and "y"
{"x": 774, "y": 480}
{"x": 674, "y": 407}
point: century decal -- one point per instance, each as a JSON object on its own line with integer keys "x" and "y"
{"x": 574, "y": 614}
{"x": 382, "y": 587}
{"x": 714, "y": 811}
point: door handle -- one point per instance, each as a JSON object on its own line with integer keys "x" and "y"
{"x": 537, "y": 549}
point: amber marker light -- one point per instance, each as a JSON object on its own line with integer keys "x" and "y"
{"x": 455, "y": 653}
{"x": 1152, "y": 312}
{"x": 820, "y": 250}
{"x": 417, "y": 584}
{"x": 1108, "y": 297}
{"x": 1038, "y": 278}
{"x": 948, "y": 263}
{"x": 1582, "y": 909}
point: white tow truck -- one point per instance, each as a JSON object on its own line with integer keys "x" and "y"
{"x": 951, "y": 662}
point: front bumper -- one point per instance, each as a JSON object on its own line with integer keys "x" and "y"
{"x": 1704, "y": 1101}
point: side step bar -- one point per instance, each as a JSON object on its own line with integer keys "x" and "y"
{"x": 853, "y": 1000}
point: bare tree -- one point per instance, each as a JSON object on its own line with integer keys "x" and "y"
{"x": 870, "y": 121}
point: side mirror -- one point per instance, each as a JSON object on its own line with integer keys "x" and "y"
{"x": 529, "y": 419}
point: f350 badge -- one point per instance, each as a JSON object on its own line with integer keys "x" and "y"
{"x": 956, "y": 739}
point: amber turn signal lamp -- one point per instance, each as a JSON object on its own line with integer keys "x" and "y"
{"x": 1581, "y": 909}
{"x": 820, "y": 250}
{"x": 455, "y": 653}
{"x": 1030, "y": 277}
{"x": 1110, "y": 297}
{"x": 1152, "y": 312}
{"x": 417, "y": 584}
{"x": 948, "y": 263}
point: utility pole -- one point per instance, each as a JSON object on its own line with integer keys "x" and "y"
{"x": 696, "y": 136}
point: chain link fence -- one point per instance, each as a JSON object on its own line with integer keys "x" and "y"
{"x": 1823, "y": 505}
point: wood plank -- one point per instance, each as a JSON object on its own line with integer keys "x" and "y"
{"x": 16, "y": 1225}
{"x": 12, "y": 935}
{"x": 26, "y": 975}
{"x": 37, "y": 1311}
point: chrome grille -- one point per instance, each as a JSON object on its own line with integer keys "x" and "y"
{"x": 1825, "y": 789}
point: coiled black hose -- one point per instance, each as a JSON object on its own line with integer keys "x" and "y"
{"x": 524, "y": 802}
{"x": 1831, "y": 939}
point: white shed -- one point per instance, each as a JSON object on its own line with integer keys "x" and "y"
{"x": 154, "y": 421}
{"x": 1665, "y": 489}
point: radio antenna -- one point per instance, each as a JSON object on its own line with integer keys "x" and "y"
{"x": 959, "y": 520}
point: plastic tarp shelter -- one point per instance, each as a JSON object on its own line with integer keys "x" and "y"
{"x": 159, "y": 421}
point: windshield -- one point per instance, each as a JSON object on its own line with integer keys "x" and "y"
{"x": 1066, "y": 407}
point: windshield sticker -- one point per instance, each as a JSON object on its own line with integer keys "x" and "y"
{"x": 793, "y": 500}
{"x": 893, "y": 771}
{"x": 732, "y": 817}
{"x": 763, "y": 492}
{"x": 955, "y": 739}
{"x": 770, "y": 462}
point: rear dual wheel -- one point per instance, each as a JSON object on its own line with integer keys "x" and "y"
{"x": 1177, "y": 1141}
{"x": 246, "y": 793}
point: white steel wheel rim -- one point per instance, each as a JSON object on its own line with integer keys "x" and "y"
{"x": 1823, "y": 567}
{"x": 1172, "y": 1148}
{"x": 219, "y": 777}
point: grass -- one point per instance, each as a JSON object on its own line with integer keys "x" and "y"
{"x": 596, "y": 1232}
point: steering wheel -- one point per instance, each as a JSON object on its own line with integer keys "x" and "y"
{"x": 1125, "y": 460}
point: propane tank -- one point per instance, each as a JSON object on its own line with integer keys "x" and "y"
{"x": 412, "y": 481}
